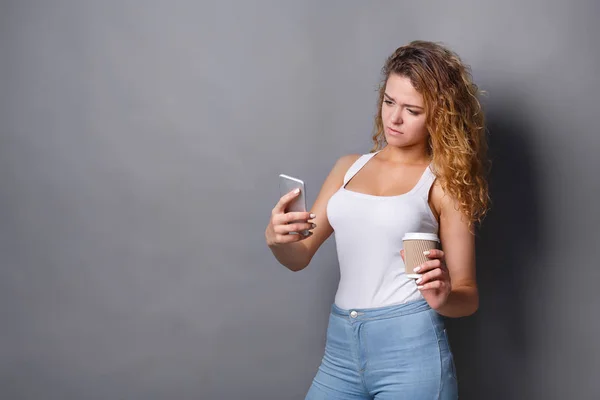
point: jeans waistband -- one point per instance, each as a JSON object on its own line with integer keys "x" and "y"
{"x": 382, "y": 312}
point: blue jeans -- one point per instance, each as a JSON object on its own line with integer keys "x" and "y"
{"x": 395, "y": 352}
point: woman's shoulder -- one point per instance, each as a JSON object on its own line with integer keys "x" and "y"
{"x": 342, "y": 165}
{"x": 347, "y": 160}
{"x": 441, "y": 199}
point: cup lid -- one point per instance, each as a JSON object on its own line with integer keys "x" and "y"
{"x": 420, "y": 236}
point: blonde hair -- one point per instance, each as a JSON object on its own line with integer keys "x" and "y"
{"x": 455, "y": 121}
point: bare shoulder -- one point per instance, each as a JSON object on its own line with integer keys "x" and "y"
{"x": 445, "y": 206}
{"x": 332, "y": 183}
{"x": 341, "y": 166}
{"x": 436, "y": 197}
{"x": 441, "y": 200}
{"x": 345, "y": 162}
{"x": 458, "y": 241}
{"x": 335, "y": 179}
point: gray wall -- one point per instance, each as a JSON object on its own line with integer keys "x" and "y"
{"x": 140, "y": 143}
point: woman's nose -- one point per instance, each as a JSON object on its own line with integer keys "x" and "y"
{"x": 397, "y": 116}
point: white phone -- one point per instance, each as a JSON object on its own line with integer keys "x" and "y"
{"x": 286, "y": 185}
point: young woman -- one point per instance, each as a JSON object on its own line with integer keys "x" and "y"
{"x": 426, "y": 173}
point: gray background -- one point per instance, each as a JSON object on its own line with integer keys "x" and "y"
{"x": 139, "y": 151}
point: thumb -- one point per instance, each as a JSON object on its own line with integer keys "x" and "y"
{"x": 402, "y": 255}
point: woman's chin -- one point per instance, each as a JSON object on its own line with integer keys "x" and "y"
{"x": 393, "y": 139}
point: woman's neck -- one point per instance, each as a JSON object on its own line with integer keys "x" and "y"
{"x": 396, "y": 155}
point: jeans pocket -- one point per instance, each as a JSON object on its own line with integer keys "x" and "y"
{"x": 449, "y": 356}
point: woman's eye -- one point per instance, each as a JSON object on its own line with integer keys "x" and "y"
{"x": 389, "y": 103}
{"x": 413, "y": 112}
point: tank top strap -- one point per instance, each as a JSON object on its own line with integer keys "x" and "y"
{"x": 357, "y": 166}
{"x": 425, "y": 183}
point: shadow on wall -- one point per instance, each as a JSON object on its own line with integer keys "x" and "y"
{"x": 491, "y": 347}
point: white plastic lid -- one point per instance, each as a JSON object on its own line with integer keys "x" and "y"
{"x": 421, "y": 236}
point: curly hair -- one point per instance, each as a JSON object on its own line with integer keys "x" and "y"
{"x": 454, "y": 119}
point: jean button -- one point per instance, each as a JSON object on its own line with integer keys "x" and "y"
{"x": 353, "y": 314}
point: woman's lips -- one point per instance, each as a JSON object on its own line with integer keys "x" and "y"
{"x": 394, "y": 132}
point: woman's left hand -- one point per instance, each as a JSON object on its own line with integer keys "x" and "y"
{"x": 435, "y": 284}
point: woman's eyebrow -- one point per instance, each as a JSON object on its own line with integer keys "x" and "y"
{"x": 406, "y": 105}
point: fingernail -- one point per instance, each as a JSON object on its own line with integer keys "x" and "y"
{"x": 427, "y": 252}
{"x": 296, "y": 191}
{"x": 314, "y": 226}
{"x": 417, "y": 269}
{"x": 420, "y": 287}
{"x": 312, "y": 216}
{"x": 419, "y": 281}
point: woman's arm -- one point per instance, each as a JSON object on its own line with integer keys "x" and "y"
{"x": 297, "y": 256}
{"x": 459, "y": 254}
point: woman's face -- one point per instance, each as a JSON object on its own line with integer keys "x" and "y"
{"x": 403, "y": 113}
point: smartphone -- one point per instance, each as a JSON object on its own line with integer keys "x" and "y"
{"x": 286, "y": 185}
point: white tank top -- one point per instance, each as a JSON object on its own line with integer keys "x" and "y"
{"x": 368, "y": 233}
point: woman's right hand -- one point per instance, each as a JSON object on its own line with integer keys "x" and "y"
{"x": 280, "y": 224}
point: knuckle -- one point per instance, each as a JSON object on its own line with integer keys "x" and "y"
{"x": 291, "y": 238}
{"x": 301, "y": 217}
{"x": 296, "y": 217}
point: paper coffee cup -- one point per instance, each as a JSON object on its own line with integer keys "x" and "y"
{"x": 415, "y": 243}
